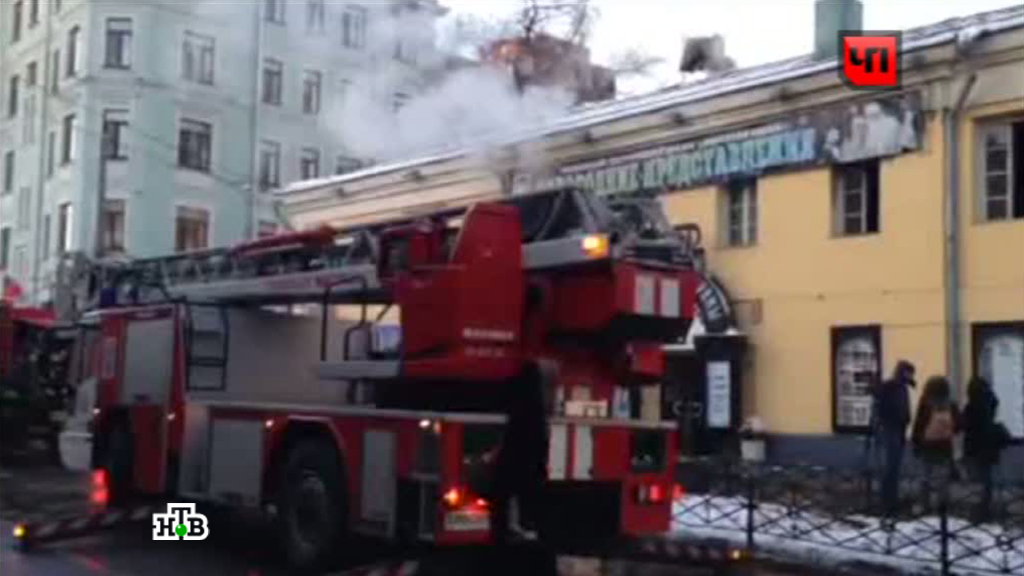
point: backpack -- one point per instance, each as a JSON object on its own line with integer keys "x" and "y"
{"x": 941, "y": 427}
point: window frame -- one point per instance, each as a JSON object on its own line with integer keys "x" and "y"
{"x": 10, "y": 163}
{"x": 201, "y": 51}
{"x": 278, "y": 15}
{"x": 65, "y": 227}
{"x": 312, "y": 88}
{"x": 69, "y": 140}
{"x": 6, "y": 237}
{"x": 745, "y": 190}
{"x": 17, "y": 9}
{"x": 112, "y": 239}
{"x": 1014, "y": 193}
{"x": 47, "y": 229}
{"x": 272, "y": 82}
{"x": 353, "y": 26}
{"x": 181, "y": 213}
{"x": 316, "y": 16}
{"x": 13, "y": 95}
{"x": 205, "y": 161}
{"x": 837, "y": 334}
{"x": 309, "y": 156}
{"x": 353, "y": 163}
{"x": 33, "y": 13}
{"x": 270, "y": 173}
{"x": 118, "y": 118}
{"x": 124, "y": 39}
{"x": 869, "y": 214}
{"x": 73, "y": 52}
{"x": 55, "y": 67}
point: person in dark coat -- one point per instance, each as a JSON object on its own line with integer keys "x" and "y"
{"x": 521, "y": 468}
{"x": 983, "y": 440}
{"x": 935, "y": 427}
{"x": 893, "y": 404}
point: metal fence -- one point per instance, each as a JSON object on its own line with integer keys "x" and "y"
{"x": 835, "y": 515}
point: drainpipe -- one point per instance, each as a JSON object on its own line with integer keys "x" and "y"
{"x": 952, "y": 133}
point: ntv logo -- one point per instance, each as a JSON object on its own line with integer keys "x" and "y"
{"x": 181, "y": 522}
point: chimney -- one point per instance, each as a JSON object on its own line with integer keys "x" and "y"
{"x": 831, "y": 16}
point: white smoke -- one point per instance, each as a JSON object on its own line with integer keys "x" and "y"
{"x": 473, "y": 108}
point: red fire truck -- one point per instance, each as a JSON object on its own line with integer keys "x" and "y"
{"x": 266, "y": 375}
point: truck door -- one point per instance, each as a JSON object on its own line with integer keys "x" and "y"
{"x": 146, "y": 383}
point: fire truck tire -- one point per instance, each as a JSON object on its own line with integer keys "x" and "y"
{"x": 118, "y": 463}
{"x": 312, "y": 497}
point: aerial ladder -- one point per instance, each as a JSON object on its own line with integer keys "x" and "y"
{"x": 198, "y": 394}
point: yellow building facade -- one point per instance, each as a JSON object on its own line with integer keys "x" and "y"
{"x": 835, "y": 269}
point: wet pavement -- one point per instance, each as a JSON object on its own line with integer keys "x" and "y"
{"x": 236, "y": 546}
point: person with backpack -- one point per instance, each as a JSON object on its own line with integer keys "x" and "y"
{"x": 935, "y": 427}
{"x": 984, "y": 439}
{"x": 892, "y": 402}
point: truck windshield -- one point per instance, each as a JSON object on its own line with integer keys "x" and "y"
{"x": 647, "y": 451}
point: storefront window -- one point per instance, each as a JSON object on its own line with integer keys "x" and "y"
{"x": 856, "y": 361}
{"x": 999, "y": 358}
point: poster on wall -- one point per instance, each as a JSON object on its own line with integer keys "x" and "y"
{"x": 719, "y": 406}
{"x": 843, "y": 133}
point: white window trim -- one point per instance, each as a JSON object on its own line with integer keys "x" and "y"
{"x": 214, "y": 130}
{"x": 981, "y": 171}
{"x": 749, "y": 225}
{"x": 126, "y": 202}
{"x": 131, "y": 43}
{"x": 211, "y": 224}
{"x": 180, "y": 56}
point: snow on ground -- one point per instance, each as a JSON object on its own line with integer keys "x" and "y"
{"x": 911, "y": 546}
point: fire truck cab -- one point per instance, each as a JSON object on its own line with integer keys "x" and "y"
{"x": 266, "y": 375}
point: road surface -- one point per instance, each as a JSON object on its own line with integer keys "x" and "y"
{"x": 236, "y": 547}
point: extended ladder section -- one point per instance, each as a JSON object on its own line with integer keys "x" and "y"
{"x": 352, "y": 266}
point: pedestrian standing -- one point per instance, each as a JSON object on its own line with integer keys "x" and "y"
{"x": 935, "y": 427}
{"x": 893, "y": 418}
{"x": 984, "y": 439}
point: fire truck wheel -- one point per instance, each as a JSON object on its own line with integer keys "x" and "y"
{"x": 312, "y": 503}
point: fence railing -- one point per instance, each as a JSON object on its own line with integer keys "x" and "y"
{"x": 835, "y": 514}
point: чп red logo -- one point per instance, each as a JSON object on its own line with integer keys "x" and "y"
{"x": 870, "y": 60}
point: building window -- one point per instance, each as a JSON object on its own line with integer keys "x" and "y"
{"x": 315, "y": 15}
{"x": 31, "y": 74}
{"x": 270, "y": 165}
{"x": 311, "y": 92}
{"x": 115, "y": 126}
{"x": 8, "y": 172}
{"x": 309, "y": 163}
{"x": 400, "y": 100}
{"x": 353, "y": 27}
{"x": 740, "y": 213}
{"x": 856, "y": 367}
{"x": 347, "y": 164}
{"x": 16, "y": 21}
{"x": 65, "y": 213}
{"x": 194, "y": 144}
{"x": 28, "y": 125}
{"x": 274, "y": 11}
{"x": 33, "y": 13}
{"x": 12, "y": 96}
{"x": 119, "y": 43}
{"x": 69, "y": 150}
{"x": 113, "y": 226}
{"x": 273, "y": 73}
{"x": 197, "y": 58}
{"x": 1002, "y": 170}
{"x": 191, "y": 229}
{"x": 51, "y": 152}
{"x": 266, "y": 229}
{"x": 5, "y": 246}
{"x": 74, "y": 34}
{"x": 55, "y": 72}
{"x": 404, "y": 51}
{"x": 856, "y": 198}
{"x": 999, "y": 359}
{"x": 46, "y": 237}
{"x": 24, "y": 208}
{"x": 21, "y": 262}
